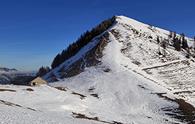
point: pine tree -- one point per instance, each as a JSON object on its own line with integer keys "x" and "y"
{"x": 42, "y": 71}
{"x": 83, "y": 40}
{"x": 194, "y": 43}
{"x": 170, "y": 35}
{"x": 182, "y": 37}
{"x": 173, "y": 38}
{"x": 56, "y": 61}
{"x": 174, "y": 35}
{"x": 177, "y": 44}
{"x": 184, "y": 41}
{"x": 164, "y": 46}
{"x": 158, "y": 41}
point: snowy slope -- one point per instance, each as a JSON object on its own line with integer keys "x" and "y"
{"x": 127, "y": 87}
{"x": 175, "y": 71}
{"x": 139, "y": 45}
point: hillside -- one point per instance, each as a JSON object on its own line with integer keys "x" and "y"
{"x": 122, "y": 76}
{"x": 139, "y": 45}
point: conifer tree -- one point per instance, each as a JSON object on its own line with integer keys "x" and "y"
{"x": 194, "y": 43}
{"x": 164, "y": 46}
{"x": 42, "y": 71}
{"x": 174, "y": 35}
{"x": 84, "y": 39}
{"x": 177, "y": 44}
{"x": 56, "y": 61}
{"x": 158, "y": 42}
{"x": 171, "y": 34}
{"x": 184, "y": 42}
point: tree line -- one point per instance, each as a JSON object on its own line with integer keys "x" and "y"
{"x": 179, "y": 42}
{"x": 83, "y": 40}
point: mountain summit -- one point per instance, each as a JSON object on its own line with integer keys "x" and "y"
{"x": 140, "y": 44}
{"x": 125, "y": 50}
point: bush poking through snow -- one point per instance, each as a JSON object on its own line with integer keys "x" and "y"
{"x": 29, "y": 89}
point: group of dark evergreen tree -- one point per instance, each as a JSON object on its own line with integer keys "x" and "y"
{"x": 42, "y": 71}
{"x": 162, "y": 43}
{"x": 84, "y": 39}
{"x": 178, "y": 42}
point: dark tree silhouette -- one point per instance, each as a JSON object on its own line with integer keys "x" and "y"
{"x": 42, "y": 71}
{"x": 84, "y": 39}
{"x": 174, "y": 35}
{"x": 56, "y": 61}
{"x": 194, "y": 42}
{"x": 171, "y": 34}
{"x": 184, "y": 42}
{"x": 158, "y": 41}
{"x": 164, "y": 46}
{"x": 177, "y": 44}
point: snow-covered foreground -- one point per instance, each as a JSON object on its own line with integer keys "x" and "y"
{"x": 123, "y": 89}
{"x": 117, "y": 99}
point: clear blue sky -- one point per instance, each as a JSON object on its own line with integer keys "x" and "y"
{"x": 32, "y": 32}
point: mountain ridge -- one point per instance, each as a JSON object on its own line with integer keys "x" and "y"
{"x": 3, "y": 69}
{"x": 142, "y": 49}
{"x": 139, "y": 26}
{"x": 129, "y": 74}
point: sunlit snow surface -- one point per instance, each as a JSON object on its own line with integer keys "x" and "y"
{"x": 126, "y": 94}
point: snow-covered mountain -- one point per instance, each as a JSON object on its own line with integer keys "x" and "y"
{"x": 123, "y": 76}
{"x": 13, "y": 76}
{"x": 137, "y": 44}
{"x": 3, "y": 70}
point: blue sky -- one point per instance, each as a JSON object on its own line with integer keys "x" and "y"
{"x": 32, "y": 32}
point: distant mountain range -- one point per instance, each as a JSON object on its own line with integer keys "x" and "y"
{"x": 13, "y": 76}
{"x": 3, "y": 69}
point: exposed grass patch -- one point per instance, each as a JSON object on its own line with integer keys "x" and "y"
{"x": 61, "y": 88}
{"x": 29, "y": 89}
{"x": 9, "y": 103}
{"x": 82, "y": 116}
{"x": 136, "y": 62}
{"x": 9, "y": 90}
{"x": 15, "y": 105}
{"x": 91, "y": 89}
{"x": 180, "y": 92}
{"x": 78, "y": 94}
{"x": 107, "y": 70}
{"x": 95, "y": 95}
{"x": 142, "y": 87}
